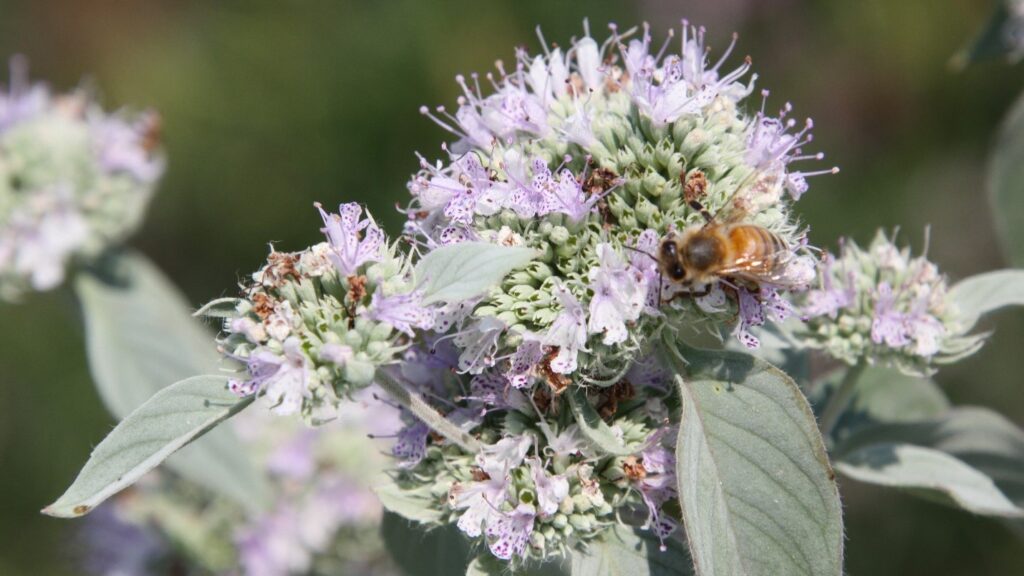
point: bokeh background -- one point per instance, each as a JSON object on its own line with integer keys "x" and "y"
{"x": 270, "y": 105}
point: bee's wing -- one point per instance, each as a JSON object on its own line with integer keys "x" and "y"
{"x": 761, "y": 270}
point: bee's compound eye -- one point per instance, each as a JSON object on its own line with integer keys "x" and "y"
{"x": 668, "y": 248}
{"x": 676, "y": 272}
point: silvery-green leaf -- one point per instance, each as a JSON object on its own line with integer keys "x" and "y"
{"x": 1005, "y": 183}
{"x": 624, "y": 550}
{"x": 883, "y": 395}
{"x": 593, "y": 427}
{"x": 219, "y": 308}
{"x": 984, "y": 293}
{"x": 415, "y": 504}
{"x": 461, "y": 271}
{"x": 140, "y": 338}
{"x": 169, "y": 420}
{"x": 756, "y": 489}
{"x": 930, "y": 473}
{"x": 993, "y": 41}
{"x": 485, "y": 564}
{"x": 978, "y": 437}
{"x": 422, "y": 551}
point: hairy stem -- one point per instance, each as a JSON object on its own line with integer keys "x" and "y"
{"x": 425, "y": 412}
{"x": 840, "y": 399}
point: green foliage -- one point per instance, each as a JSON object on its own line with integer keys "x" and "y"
{"x": 593, "y": 427}
{"x": 624, "y": 550}
{"x": 140, "y": 339}
{"x": 165, "y": 423}
{"x": 419, "y": 552}
{"x": 464, "y": 270}
{"x": 985, "y": 293}
{"x": 756, "y": 489}
{"x": 1006, "y": 183}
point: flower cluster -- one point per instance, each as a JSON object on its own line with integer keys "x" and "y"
{"x": 591, "y": 156}
{"x": 73, "y": 181}
{"x": 882, "y": 305}
{"x": 539, "y": 486}
{"x": 315, "y": 325}
{"x": 323, "y": 516}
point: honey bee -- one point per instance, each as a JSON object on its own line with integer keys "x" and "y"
{"x": 741, "y": 251}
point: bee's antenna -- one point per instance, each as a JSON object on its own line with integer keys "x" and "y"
{"x": 639, "y": 251}
{"x": 696, "y": 205}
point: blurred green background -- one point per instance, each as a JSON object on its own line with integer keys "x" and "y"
{"x": 271, "y": 105}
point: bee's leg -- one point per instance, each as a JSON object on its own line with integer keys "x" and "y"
{"x": 696, "y": 205}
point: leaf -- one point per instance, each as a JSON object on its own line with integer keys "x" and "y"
{"x": 625, "y": 550}
{"x": 140, "y": 337}
{"x": 756, "y": 489}
{"x": 416, "y": 505}
{"x": 422, "y": 552}
{"x": 593, "y": 427}
{"x": 461, "y": 271}
{"x": 991, "y": 42}
{"x": 936, "y": 474}
{"x": 1005, "y": 183}
{"x": 981, "y": 294}
{"x": 884, "y": 395}
{"x": 219, "y": 308}
{"x": 487, "y": 565}
{"x": 169, "y": 420}
{"x": 977, "y": 437}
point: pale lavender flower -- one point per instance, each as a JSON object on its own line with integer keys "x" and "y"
{"x": 479, "y": 343}
{"x": 620, "y": 293}
{"x": 121, "y": 147}
{"x": 509, "y": 533}
{"x": 353, "y": 241}
{"x": 481, "y": 499}
{"x": 751, "y": 315}
{"x": 23, "y": 99}
{"x": 657, "y": 487}
{"x": 889, "y": 325}
{"x": 283, "y": 379}
{"x": 295, "y": 458}
{"x": 830, "y": 298}
{"x": 404, "y": 312}
{"x": 115, "y": 546}
{"x": 411, "y": 444}
{"x": 40, "y": 238}
{"x": 568, "y": 332}
{"x": 550, "y": 489}
{"x": 529, "y": 353}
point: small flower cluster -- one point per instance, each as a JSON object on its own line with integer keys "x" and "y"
{"x": 882, "y": 305}
{"x": 74, "y": 180}
{"x": 590, "y": 157}
{"x": 315, "y": 325}
{"x": 323, "y": 518}
{"x": 539, "y": 486}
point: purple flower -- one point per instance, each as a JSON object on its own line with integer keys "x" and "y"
{"x": 295, "y": 458}
{"x": 283, "y": 379}
{"x": 481, "y": 499}
{"x": 752, "y": 314}
{"x": 116, "y": 547}
{"x": 830, "y": 299}
{"x": 510, "y": 533}
{"x": 619, "y": 295}
{"x": 889, "y": 325}
{"x": 120, "y": 146}
{"x": 657, "y": 487}
{"x": 478, "y": 343}
{"x": 551, "y": 490}
{"x": 568, "y": 332}
{"x": 411, "y": 444}
{"x": 530, "y": 353}
{"x": 354, "y": 242}
{"x": 404, "y": 312}
{"x": 23, "y": 100}
{"x": 38, "y": 246}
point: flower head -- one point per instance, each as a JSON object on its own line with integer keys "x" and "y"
{"x": 883, "y": 305}
{"x": 74, "y": 180}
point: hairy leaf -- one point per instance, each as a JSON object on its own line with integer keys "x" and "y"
{"x": 1005, "y": 183}
{"x": 984, "y": 293}
{"x": 487, "y": 565}
{"x": 991, "y": 42}
{"x": 977, "y": 437}
{"x": 416, "y": 505}
{"x": 422, "y": 552}
{"x": 625, "y": 550}
{"x": 461, "y": 271}
{"x": 593, "y": 427}
{"x": 929, "y": 472}
{"x": 169, "y": 420}
{"x": 756, "y": 489}
{"x": 140, "y": 338}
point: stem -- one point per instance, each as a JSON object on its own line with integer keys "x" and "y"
{"x": 840, "y": 399}
{"x": 425, "y": 412}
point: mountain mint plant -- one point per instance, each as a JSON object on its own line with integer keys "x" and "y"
{"x": 74, "y": 180}
{"x": 578, "y": 330}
